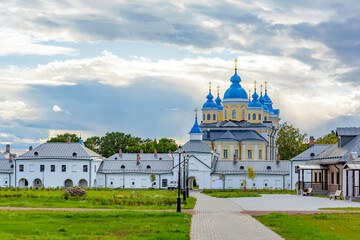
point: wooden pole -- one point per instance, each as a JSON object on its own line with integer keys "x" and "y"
{"x": 353, "y": 183}
{"x": 302, "y": 172}
{"x": 347, "y": 183}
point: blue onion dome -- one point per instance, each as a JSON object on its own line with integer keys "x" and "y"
{"x": 218, "y": 102}
{"x": 261, "y": 100}
{"x": 209, "y": 104}
{"x": 255, "y": 102}
{"x": 195, "y": 128}
{"x": 235, "y": 90}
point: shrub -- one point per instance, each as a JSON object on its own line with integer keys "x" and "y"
{"x": 75, "y": 192}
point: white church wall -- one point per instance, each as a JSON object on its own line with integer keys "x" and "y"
{"x": 6, "y": 180}
{"x": 294, "y": 175}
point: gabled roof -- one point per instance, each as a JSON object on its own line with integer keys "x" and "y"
{"x": 61, "y": 150}
{"x": 2, "y": 156}
{"x": 348, "y": 131}
{"x": 143, "y": 156}
{"x": 260, "y": 167}
{"x": 238, "y": 135}
{"x": 5, "y": 166}
{"x": 196, "y": 146}
{"x": 315, "y": 150}
{"x": 336, "y": 154}
{"x": 115, "y": 166}
{"x": 14, "y": 152}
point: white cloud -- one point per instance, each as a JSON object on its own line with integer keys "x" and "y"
{"x": 15, "y": 110}
{"x": 56, "y": 108}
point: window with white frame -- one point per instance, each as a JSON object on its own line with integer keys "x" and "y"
{"x": 63, "y": 168}
{"x": 243, "y": 114}
{"x": 260, "y": 154}
{"x": 233, "y": 114}
{"x": 52, "y": 168}
{"x": 42, "y": 168}
{"x": 225, "y": 154}
{"x": 214, "y": 116}
{"x": 208, "y": 117}
{"x": 21, "y": 168}
{"x": 249, "y": 153}
{"x": 254, "y": 116}
{"x": 85, "y": 168}
{"x": 225, "y": 114}
{"x": 259, "y": 116}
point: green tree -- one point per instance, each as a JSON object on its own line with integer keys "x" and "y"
{"x": 152, "y": 179}
{"x": 222, "y": 178}
{"x": 290, "y": 141}
{"x": 330, "y": 138}
{"x": 112, "y": 142}
{"x": 93, "y": 143}
{"x": 63, "y": 137}
{"x": 251, "y": 174}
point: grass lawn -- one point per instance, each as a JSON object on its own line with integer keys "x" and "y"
{"x": 234, "y": 193}
{"x": 94, "y": 225}
{"x": 319, "y": 226}
{"x": 343, "y": 208}
{"x": 96, "y": 198}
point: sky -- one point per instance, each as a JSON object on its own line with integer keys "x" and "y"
{"x": 141, "y": 67}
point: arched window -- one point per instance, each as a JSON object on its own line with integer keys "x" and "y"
{"x": 74, "y": 154}
{"x": 259, "y": 116}
{"x": 208, "y": 117}
{"x": 122, "y": 167}
{"x": 249, "y": 118}
{"x": 243, "y": 114}
{"x": 225, "y": 114}
{"x": 148, "y": 166}
{"x": 233, "y": 114}
{"x": 214, "y": 116}
{"x": 36, "y": 154}
{"x": 254, "y": 116}
{"x": 268, "y": 167}
{"x": 242, "y": 167}
{"x": 265, "y": 118}
{"x": 204, "y": 117}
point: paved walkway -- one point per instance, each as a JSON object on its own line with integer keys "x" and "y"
{"x": 221, "y": 218}
{"x": 286, "y": 202}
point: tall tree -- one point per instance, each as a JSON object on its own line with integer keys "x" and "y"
{"x": 290, "y": 141}
{"x": 251, "y": 174}
{"x": 63, "y": 137}
{"x": 330, "y": 138}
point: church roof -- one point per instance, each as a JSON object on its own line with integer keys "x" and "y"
{"x": 61, "y": 150}
{"x": 238, "y": 135}
{"x": 196, "y": 146}
{"x": 260, "y": 167}
{"x": 195, "y": 128}
{"x": 235, "y": 90}
{"x": 143, "y": 156}
{"x": 145, "y": 166}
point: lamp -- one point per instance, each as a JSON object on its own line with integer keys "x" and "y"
{"x": 178, "y": 209}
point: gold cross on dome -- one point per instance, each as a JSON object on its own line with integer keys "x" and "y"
{"x": 266, "y": 85}
{"x": 210, "y": 86}
{"x": 196, "y": 110}
{"x": 235, "y": 63}
{"x": 261, "y": 86}
{"x": 218, "y": 87}
{"x": 255, "y": 85}
{"x": 249, "y": 93}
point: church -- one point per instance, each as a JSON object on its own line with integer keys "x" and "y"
{"x": 240, "y": 127}
{"x": 235, "y": 133}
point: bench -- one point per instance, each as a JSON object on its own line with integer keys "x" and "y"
{"x": 307, "y": 192}
{"x": 336, "y": 195}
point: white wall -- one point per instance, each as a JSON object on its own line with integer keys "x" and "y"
{"x": 5, "y": 180}
{"x": 74, "y": 172}
{"x": 294, "y": 176}
{"x": 261, "y": 181}
{"x": 132, "y": 180}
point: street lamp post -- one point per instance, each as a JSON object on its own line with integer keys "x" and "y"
{"x": 187, "y": 175}
{"x": 124, "y": 179}
{"x": 178, "y": 209}
{"x": 184, "y": 178}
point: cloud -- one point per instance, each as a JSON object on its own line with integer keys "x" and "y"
{"x": 56, "y": 108}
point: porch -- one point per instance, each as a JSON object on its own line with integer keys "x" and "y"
{"x": 319, "y": 185}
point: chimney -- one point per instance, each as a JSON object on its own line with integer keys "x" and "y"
{"x": 120, "y": 153}
{"x": 141, "y": 151}
{"x": 155, "y": 153}
{"x": 8, "y": 148}
{"x": 312, "y": 141}
{"x": 234, "y": 158}
{"x": 10, "y": 157}
{"x": 170, "y": 152}
{"x": 138, "y": 159}
{"x": 30, "y": 148}
{"x": 68, "y": 139}
{"x": 277, "y": 158}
